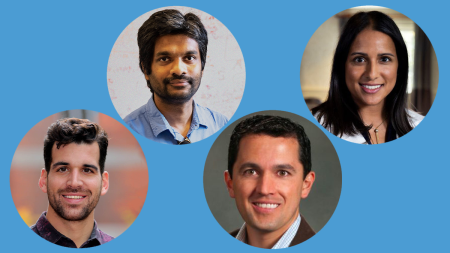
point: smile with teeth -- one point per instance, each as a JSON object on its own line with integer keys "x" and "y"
{"x": 371, "y": 87}
{"x": 268, "y": 206}
{"x": 74, "y": 197}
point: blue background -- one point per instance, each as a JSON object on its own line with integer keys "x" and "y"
{"x": 395, "y": 196}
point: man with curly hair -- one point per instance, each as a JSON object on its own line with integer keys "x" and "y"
{"x": 74, "y": 178}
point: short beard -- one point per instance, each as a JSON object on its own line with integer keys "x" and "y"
{"x": 62, "y": 212}
{"x": 172, "y": 99}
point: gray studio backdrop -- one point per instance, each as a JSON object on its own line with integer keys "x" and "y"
{"x": 317, "y": 208}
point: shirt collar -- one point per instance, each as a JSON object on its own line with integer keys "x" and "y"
{"x": 198, "y": 119}
{"x": 284, "y": 241}
{"x": 46, "y": 230}
{"x": 361, "y": 138}
{"x": 49, "y": 233}
{"x": 97, "y": 234}
{"x": 357, "y": 138}
{"x": 159, "y": 123}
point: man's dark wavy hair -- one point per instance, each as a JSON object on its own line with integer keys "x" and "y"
{"x": 340, "y": 113}
{"x": 73, "y": 130}
{"x": 169, "y": 22}
{"x": 273, "y": 126}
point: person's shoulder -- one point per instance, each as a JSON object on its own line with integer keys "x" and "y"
{"x": 319, "y": 116}
{"x": 40, "y": 224}
{"x": 34, "y": 228}
{"x": 104, "y": 237}
{"x": 234, "y": 232}
{"x": 218, "y": 118}
{"x": 321, "y": 120}
{"x": 136, "y": 114}
{"x": 415, "y": 117}
{"x": 316, "y": 116}
{"x": 304, "y": 232}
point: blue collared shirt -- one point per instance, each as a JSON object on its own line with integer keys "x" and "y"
{"x": 149, "y": 122}
{"x": 284, "y": 241}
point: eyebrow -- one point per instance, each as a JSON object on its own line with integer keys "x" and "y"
{"x": 277, "y": 167}
{"x": 166, "y": 53}
{"x": 65, "y": 164}
{"x": 59, "y": 164}
{"x": 192, "y": 52}
{"x": 284, "y": 167}
{"x": 91, "y": 166}
{"x": 361, "y": 53}
{"x": 249, "y": 165}
{"x": 162, "y": 53}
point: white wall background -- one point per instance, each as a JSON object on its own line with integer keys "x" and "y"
{"x": 223, "y": 79}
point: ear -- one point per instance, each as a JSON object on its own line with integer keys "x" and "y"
{"x": 307, "y": 184}
{"x": 229, "y": 183}
{"x": 43, "y": 180}
{"x": 105, "y": 183}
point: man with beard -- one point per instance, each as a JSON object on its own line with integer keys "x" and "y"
{"x": 172, "y": 56}
{"x": 269, "y": 172}
{"x": 73, "y": 178}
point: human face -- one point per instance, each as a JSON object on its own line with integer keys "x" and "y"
{"x": 176, "y": 69}
{"x": 74, "y": 183}
{"x": 268, "y": 182}
{"x": 371, "y": 68}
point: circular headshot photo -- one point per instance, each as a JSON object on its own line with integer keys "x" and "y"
{"x": 176, "y": 75}
{"x": 272, "y": 179}
{"x": 78, "y": 179}
{"x": 369, "y": 75}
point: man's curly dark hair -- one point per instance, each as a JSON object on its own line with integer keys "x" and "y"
{"x": 73, "y": 130}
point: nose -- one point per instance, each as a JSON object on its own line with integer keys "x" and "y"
{"x": 372, "y": 71}
{"x": 75, "y": 179}
{"x": 266, "y": 184}
{"x": 179, "y": 67}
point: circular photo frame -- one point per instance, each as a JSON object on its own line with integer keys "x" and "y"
{"x": 369, "y": 75}
{"x": 91, "y": 162}
{"x": 192, "y": 59}
{"x": 270, "y": 175}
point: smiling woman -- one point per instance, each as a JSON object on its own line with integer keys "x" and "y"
{"x": 371, "y": 68}
{"x": 367, "y": 99}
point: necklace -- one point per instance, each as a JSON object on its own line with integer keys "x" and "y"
{"x": 376, "y": 131}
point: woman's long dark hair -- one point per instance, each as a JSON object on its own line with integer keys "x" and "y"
{"x": 339, "y": 113}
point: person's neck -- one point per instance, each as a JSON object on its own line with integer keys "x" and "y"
{"x": 179, "y": 116}
{"x": 372, "y": 114}
{"x": 78, "y": 231}
{"x": 264, "y": 239}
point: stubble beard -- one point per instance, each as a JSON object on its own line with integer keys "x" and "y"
{"x": 163, "y": 93}
{"x": 65, "y": 211}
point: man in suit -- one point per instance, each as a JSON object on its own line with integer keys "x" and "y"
{"x": 269, "y": 172}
